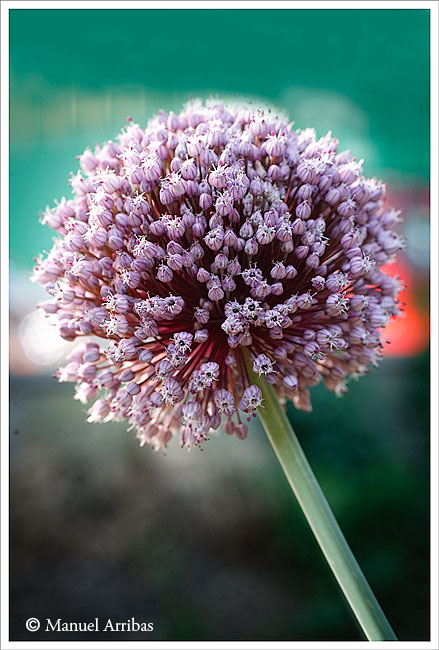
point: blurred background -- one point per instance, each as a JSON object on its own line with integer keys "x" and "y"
{"x": 211, "y": 545}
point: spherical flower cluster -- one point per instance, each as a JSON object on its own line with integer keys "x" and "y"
{"x": 210, "y": 240}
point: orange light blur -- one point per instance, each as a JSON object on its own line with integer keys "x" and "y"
{"x": 407, "y": 334}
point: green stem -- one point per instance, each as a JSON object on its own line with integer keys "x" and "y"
{"x": 319, "y": 515}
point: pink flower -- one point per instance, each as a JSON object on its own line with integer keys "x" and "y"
{"x": 209, "y": 233}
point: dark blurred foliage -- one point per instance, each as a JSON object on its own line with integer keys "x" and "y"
{"x": 211, "y": 545}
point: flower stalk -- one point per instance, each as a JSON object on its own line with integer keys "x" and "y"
{"x": 320, "y": 517}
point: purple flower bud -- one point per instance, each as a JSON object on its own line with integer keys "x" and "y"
{"x": 241, "y": 431}
{"x": 203, "y": 275}
{"x": 164, "y": 273}
{"x": 251, "y": 247}
{"x": 332, "y": 196}
{"x": 215, "y": 292}
{"x": 304, "y": 192}
{"x": 189, "y": 170}
{"x": 251, "y": 399}
{"x": 277, "y": 289}
{"x": 275, "y": 145}
{"x": 258, "y": 127}
{"x": 304, "y": 301}
{"x": 228, "y": 283}
{"x": 301, "y": 252}
{"x": 303, "y": 210}
{"x": 312, "y": 261}
{"x": 290, "y": 382}
{"x": 205, "y": 201}
{"x": 290, "y": 272}
{"x": 298, "y": 227}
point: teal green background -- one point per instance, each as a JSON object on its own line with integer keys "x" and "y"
{"x": 75, "y": 75}
{"x": 212, "y": 545}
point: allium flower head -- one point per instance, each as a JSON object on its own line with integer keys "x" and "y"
{"x": 211, "y": 237}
